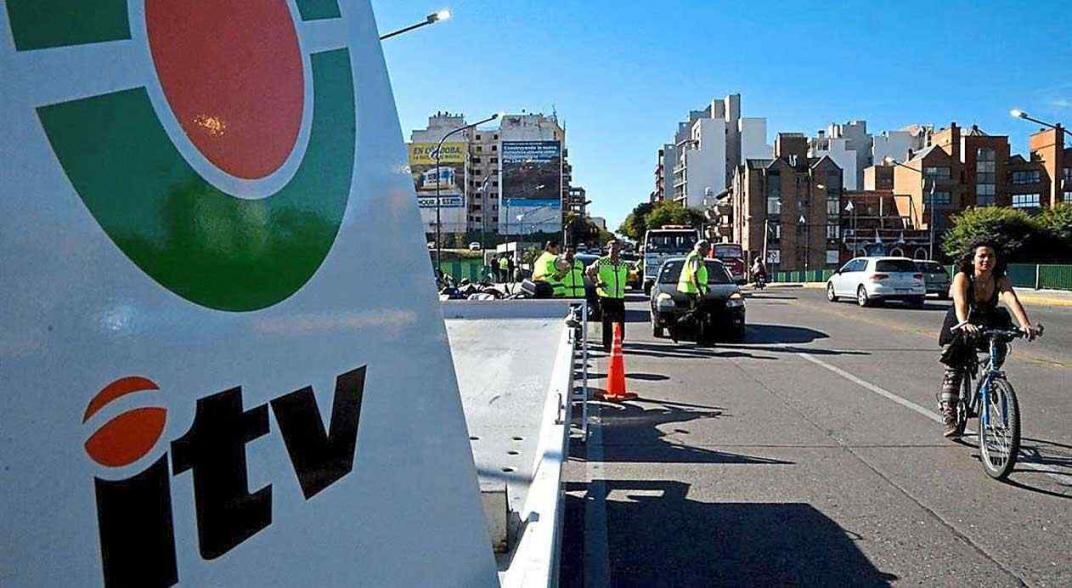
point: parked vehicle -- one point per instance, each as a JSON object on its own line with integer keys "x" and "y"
{"x": 475, "y": 246}
{"x": 662, "y": 244}
{"x": 721, "y": 311}
{"x": 732, "y": 256}
{"x": 871, "y": 280}
{"x": 935, "y": 278}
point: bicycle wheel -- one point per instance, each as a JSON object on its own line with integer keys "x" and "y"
{"x": 964, "y": 403}
{"x": 999, "y": 429}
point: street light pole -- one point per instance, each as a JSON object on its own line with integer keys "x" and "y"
{"x": 428, "y": 20}
{"x": 1017, "y": 113}
{"x": 807, "y": 234}
{"x": 439, "y": 181}
{"x": 927, "y": 206}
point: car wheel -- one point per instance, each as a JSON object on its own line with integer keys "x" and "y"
{"x": 647, "y": 289}
{"x": 861, "y": 296}
{"x": 657, "y": 331}
{"x": 917, "y": 302}
{"x": 830, "y": 296}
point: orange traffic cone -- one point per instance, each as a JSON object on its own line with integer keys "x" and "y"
{"x": 616, "y": 372}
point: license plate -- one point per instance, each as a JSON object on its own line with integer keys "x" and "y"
{"x": 904, "y": 290}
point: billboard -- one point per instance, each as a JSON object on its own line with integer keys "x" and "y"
{"x": 450, "y": 181}
{"x": 531, "y": 187}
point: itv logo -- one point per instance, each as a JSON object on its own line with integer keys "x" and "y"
{"x": 134, "y": 514}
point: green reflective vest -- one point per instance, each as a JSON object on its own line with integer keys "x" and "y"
{"x": 612, "y": 278}
{"x": 693, "y": 265}
{"x": 572, "y": 284}
{"x": 504, "y": 264}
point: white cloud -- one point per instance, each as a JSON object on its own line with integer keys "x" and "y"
{"x": 1061, "y": 103}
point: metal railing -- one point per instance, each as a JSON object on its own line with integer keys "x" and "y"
{"x": 1023, "y": 275}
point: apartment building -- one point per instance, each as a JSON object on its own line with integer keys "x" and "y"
{"x": 788, "y": 208}
{"x": 666, "y": 160}
{"x": 706, "y": 150}
{"x": 1048, "y": 148}
{"x": 849, "y": 145}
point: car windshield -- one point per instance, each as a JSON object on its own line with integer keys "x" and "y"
{"x": 678, "y": 242}
{"x": 725, "y": 251}
{"x": 716, "y": 272}
{"x": 896, "y": 265}
{"x": 930, "y": 267}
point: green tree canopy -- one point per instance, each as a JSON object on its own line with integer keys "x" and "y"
{"x": 1017, "y": 234}
{"x": 635, "y": 225}
{"x": 652, "y": 216}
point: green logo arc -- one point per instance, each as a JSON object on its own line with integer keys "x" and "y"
{"x": 204, "y": 245}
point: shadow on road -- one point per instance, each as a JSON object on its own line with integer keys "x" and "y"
{"x": 760, "y": 333}
{"x": 660, "y": 537}
{"x": 1052, "y": 455}
{"x": 632, "y": 434}
{"x": 685, "y": 351}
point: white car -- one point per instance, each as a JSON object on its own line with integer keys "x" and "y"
{"x": 876, "y": 279}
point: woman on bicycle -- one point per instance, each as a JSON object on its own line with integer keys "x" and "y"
{"x": 979, "y": 285}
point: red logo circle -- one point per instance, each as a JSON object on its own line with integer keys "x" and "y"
{"x": 130, "y": 436}
{"x": 232, "y": 73}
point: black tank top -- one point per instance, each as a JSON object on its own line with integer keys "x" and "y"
{"x": 983, "y": 313}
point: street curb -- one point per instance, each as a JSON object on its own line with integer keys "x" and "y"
{"x": 1028, "y": 297}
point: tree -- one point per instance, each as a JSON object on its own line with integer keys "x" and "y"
{"x": 635, "y": 223}
{"x": 669, "y": 212}
{"x": 1018, "y": 235}
{"x": 1057, "y": 223}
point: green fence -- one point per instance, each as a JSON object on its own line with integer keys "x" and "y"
{"x": 1023, "y": 275}
{"x": 469, "y": 269}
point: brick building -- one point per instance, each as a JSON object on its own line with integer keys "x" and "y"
{"x": 788, "y": 206}
{"x": 1048, "y": 148}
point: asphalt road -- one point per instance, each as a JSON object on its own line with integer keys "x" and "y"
{"x": 811, "y": 454}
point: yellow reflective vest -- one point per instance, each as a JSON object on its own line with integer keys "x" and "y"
{"x": 612, "y": 277}
{"x": 694, "y": 265}
{"x": 544, "y": 268}
{"x": 572, "y": 284}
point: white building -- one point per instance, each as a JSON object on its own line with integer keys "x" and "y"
{"x": 897, "y": 144}
{"x": 709, "y": 146}
{"x": 849, "y": 145}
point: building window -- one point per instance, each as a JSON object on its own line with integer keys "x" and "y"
{"x": 479, "y": 148}
{"x": 1027, "y": 177}
{"x": 936, "y": 173}
{"x": 833, "y": 257}
{"x": 494, "y": 147}
{"x": 495, "y": 160}
{"x": 1026, "y": 200}
{"x": 477, "y": 172}
{"x": 985, "y": 176}
{"x": 775, "y": 230}
{"x": 774, "y": 193}
{"x": 833, "y": 232}
{"x": 475, "y": 159}
{"x": 833, "y": 207}
{"x": 940, "y": 199}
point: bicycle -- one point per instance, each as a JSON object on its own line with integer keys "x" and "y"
{"x": 994, "y": 402}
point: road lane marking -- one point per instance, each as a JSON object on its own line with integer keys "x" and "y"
{"x": 596, "y": 559}
{"x": 1023, "y": 460}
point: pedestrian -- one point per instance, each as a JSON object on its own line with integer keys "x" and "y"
{"x": 611, "y": 275}
{"x": 511, "y": 269}
{"x": 503, "y": 268}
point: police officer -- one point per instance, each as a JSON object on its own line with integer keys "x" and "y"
{"x": 693, "y": 279}
{"x": 544, "y": 270}
{"x": 572, "y": 283}
{"x": 611, "y": 274}
{"x": 504, "y": 269}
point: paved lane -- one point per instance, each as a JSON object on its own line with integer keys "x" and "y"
{"x": 809, "y": 455}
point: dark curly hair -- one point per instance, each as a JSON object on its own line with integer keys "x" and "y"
{"x": 966, "y": 264}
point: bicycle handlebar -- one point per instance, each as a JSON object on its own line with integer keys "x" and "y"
{"x": 1015, "y": 333}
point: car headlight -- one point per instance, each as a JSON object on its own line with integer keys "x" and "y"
{"x": 735, "y": 301}
{"x": 664, "y": 301}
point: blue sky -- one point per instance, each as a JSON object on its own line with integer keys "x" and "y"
{"x": 621, "y": 74}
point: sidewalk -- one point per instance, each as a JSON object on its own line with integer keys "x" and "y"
{"x": 1058, "y": 298}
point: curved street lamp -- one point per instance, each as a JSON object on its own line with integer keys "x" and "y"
{"x": 1017, "y": 113}
{"x": 439, "y": 181}
{"x": 428, "y": 20}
